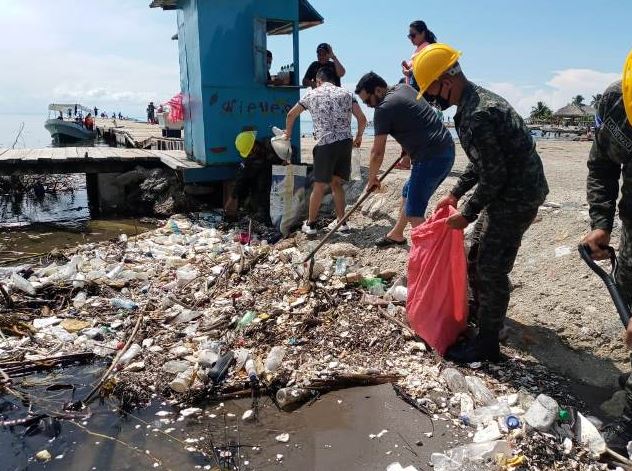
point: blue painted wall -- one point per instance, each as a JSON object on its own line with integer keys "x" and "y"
{"x": 219, "y": 76}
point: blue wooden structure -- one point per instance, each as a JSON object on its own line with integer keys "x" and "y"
{"x": 223, "y": 73}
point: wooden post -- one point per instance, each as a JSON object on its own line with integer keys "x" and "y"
{"x": 92, "y": 189}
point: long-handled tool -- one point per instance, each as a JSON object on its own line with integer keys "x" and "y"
{"x": 311, "y": 256}
{"x": 608, "y": 278}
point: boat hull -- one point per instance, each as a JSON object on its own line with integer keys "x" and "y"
{"x": 67, "y": 131}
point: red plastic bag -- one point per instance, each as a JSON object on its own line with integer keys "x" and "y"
{"x": 437, "y": 282}
{"x": 176, "y": 108}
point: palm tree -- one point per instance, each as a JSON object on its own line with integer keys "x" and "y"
{"x": 578, "y": 100}
{"x": 541, "y": 112}
{"x": 595, "y": 100}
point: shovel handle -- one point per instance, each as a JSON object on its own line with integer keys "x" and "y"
{"x": 609, "y": 280}
{"x": 362, "y": 199}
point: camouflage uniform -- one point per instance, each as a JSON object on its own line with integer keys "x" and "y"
{"x": 510, "y": 186}
{"x": 609, "y": 158}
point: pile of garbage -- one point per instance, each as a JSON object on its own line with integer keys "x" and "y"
{"x": 198, "y": 311}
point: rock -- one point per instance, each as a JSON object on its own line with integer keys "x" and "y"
{"x": 353, "y": 278}
{"x": 387, "y": 274}
{"x": 74, "y": 325}
{"x": 43, "y": 455}
{"x": 615, "y": 405}
{"x": 542, "y": 413}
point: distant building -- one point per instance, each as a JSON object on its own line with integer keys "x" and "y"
{"x": 575, "y": 115}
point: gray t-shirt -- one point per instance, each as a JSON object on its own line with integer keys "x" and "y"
{"x": 413, "y": 123}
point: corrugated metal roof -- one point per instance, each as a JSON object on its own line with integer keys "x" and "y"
{"x": 307, "y": 15}
{"x": 164, "y": 4}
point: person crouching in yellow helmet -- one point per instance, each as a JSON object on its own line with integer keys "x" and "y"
{"x": 609, "y": 159}
{"x": 509, "y": 185}
{"x": 254, "y": 177}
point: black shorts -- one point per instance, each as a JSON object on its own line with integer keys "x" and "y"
{"x": 332, "y": 159}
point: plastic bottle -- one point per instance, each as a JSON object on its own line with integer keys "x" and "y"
{"x": 341, "y": 266}
{"x": 132, "y": 352}
{"x": 459, "y": 457}
{"x": 183, "y": 381}
{"x": 79, "y": 281}
{"x": 542, "y": 413}
{"x": 246, "y": 319}
{"x": 241, "y": 356}
{"x": 22, "y": 284}
{"x": 79, "y": 300}
{"x": 455, "y": 380}
{"x": 275, "y": 357}
{"x": 122, "y": 303}
{"x": 251, "y": 370}
{"x": 209, "y": 354}
{"x": 174, "y": 227}
{"x": 114, "y": 272}
{"x": 478, "y": 389}
{"x": 487, "y": 414}
{"x": 288, "y": 398}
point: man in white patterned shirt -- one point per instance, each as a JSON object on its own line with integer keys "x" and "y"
{"x": 331, "y": 108}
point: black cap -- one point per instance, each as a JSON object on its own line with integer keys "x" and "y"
{"x": 323, "y": 47}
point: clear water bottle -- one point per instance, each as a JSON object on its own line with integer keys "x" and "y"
{"x": 174, "y": 227}
{"x": 132, "y": 352}
{"x": 341, "y": 266}
{"x": 122, "y": 303}
{"x": 275, "y": 357}
{"x": 251, "y": 370}
{"x": 209, "y": 353}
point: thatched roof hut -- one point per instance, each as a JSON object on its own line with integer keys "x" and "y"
{"x": 575, "y": 114}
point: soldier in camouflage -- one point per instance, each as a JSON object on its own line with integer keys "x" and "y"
{"x": 510, "y": 186}
{"x": 609, "y": 159}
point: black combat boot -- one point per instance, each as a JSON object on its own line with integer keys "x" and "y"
{"x": 483, "y": 347}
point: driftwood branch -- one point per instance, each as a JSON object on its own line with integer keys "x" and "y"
{"x": 7, "y": 299}
{"x": 104, "y": 378}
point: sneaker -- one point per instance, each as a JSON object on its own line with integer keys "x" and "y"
{"x": 344, "y": 229}
{"x": 480, "y": 348}
{"x": 309, "y": 229}
{"x": 617, "y": 434}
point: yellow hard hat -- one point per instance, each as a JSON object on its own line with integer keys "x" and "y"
{"x": 626, "y": 84}
{"x": 244, "y": 142}
{"x": 431, "y": 63}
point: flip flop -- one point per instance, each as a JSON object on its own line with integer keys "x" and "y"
{"x": 387, "y": 242}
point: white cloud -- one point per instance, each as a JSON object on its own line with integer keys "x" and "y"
{"x": 114, "y": 55}
{"x": 556, "y": 92}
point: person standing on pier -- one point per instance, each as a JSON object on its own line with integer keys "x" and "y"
{"x": 151, "y": 113}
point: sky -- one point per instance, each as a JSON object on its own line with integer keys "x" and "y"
{"x": 118, "y": 55}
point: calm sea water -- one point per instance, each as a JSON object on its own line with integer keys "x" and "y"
{"x": 33, "y": 134}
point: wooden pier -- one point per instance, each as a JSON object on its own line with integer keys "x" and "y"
{"x": 62, "y": 160}
{"x": 135, "y": 134}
